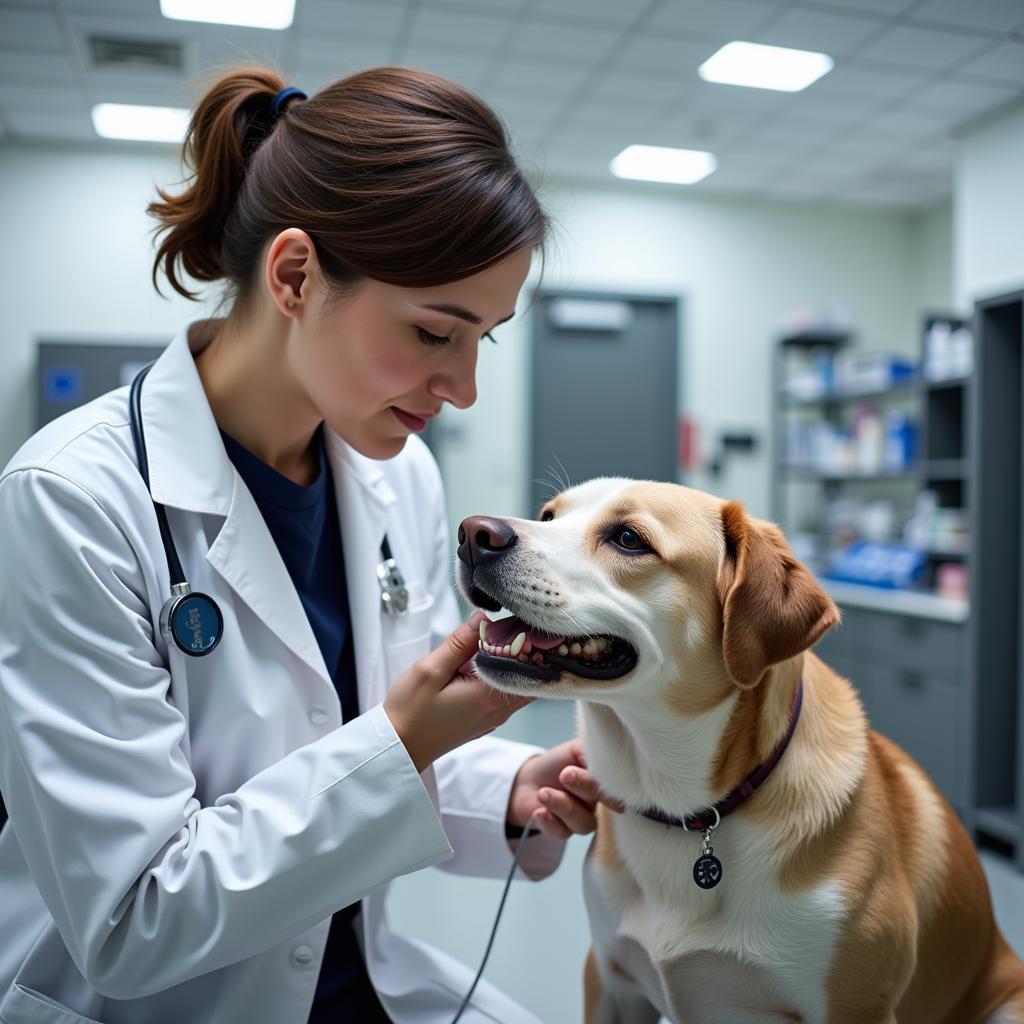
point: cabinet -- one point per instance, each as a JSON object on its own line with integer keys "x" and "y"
{"x": 997, "y": 593}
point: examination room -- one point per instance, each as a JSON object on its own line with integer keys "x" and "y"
{"x": 511, "y": 510}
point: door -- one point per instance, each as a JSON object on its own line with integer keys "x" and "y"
{"x": 605, "y": 389}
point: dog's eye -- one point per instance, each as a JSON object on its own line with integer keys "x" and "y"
{"x": 629, "y": 540}
{"x": 547, "y": 515}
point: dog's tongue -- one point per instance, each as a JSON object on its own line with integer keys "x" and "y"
{"x": 504, "y": 631}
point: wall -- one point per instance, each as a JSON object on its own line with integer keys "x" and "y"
{"x": 79, "y": 256}
{"x": 989, "y": 208}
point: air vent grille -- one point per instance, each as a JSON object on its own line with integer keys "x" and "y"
{"x": 112, "y": 52}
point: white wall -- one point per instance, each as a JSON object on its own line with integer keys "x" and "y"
{"x": 76, "y": 260}
{"x": 989, "y": 209}
{"x": 79, "y": 252}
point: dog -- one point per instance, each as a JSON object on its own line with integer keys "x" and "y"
{"x": 777, "y": 859}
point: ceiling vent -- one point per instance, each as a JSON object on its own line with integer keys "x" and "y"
{"x": 110, "y": 52}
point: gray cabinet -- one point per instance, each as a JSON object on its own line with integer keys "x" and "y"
{"x": 911, "y": 674}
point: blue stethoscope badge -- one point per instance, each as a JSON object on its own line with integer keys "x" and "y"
{"x": 191, "y": 621}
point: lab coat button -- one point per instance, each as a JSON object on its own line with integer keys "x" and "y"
{"x": 302, "y": 955}
{"x": 318, "y": 716}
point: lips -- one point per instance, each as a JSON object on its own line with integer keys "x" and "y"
{"x": 414, "y": 421}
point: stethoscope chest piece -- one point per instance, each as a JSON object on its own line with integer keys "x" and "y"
{"x": 394, "y": 595}
{"x": 191, "y": 621}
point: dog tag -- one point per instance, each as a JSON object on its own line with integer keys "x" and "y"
{"x": 707, "y": 872}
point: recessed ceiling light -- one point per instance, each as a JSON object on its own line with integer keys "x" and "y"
{"x": 662, "y": 163}
{"x": 765, "y": 67}
{"x": 143, "y": 124}
{"x": 254, "y": 13}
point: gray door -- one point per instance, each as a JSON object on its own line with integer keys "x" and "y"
{"x": 605, "y": 386}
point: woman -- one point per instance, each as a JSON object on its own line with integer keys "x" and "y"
{"x": 209, "y": 838}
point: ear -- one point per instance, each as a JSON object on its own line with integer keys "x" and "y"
{"x": 772, "y": 607}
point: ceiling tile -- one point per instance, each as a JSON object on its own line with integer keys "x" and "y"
{"x": 582, "y": 46}
{"x": 835, "y": 33}
{"x": 959, "y": 97}
{"x": 735, "y": 19}
{"x": 994, "y": 15}
{"x": 329, "y": 57}
{"x": 498, "y": 6}
{"x": 593, "y": 12}
{"x": 30, "y": 65}
{"x": 1004, "y": 63}
{"x": 850, "y": 80}
{"x": 912, "y": 47}
{"x": 133, "y": 8}
{"x": 554, "y": 80}
{"x": 25, "y": 28}
{"x": 661, "y": 55}
{"x": 465, "y": 69}
{"x": 473, "y": 35}
{"x": 887, "y": 8}
{"x": 49, "y": 96}
{"x": 380, "y": 20}
{"x": 641, "y": 96}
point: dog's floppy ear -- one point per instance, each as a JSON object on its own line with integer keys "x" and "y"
{"x": 772, "y": 607}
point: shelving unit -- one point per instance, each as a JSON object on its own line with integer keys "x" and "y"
{"x": 904, "y": 650}
{"x": 995, "y": 712}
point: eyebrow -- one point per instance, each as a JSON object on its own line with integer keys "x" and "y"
{"x": 464, "y": 314}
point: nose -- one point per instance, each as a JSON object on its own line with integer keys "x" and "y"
{"x": 482, "y": 539}
{"x": 457, "y": 384}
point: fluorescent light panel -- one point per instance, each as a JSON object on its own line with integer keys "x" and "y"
{"x": 765, "y": 67}
{"x": 143, "y": 124}
{"x": 661, "y": 163}
{"x": 276, "y": 14}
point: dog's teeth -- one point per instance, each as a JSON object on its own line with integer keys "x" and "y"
{"x": 602, "y": 644}
{"x": 506, "y": 650}
{"x": 517, "y": 645}
{"x": 563, "y": 650}
{"x": 527, "y": 647}
{"x": 575, "y": 649}
{"x": 479, "y": 645}
{"x": 483, "y": 629}
{"x": 590, "y": 647}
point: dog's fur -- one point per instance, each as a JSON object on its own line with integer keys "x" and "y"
{"x": 851, "y": 894}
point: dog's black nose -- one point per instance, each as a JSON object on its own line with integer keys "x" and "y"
{"x": 482, "y": 539}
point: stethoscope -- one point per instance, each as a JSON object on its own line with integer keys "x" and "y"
{"x": 191, "y": 620}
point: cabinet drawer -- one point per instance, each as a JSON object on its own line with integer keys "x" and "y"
{"x": 906, "y": 642}
{"x": 921, "y": 713}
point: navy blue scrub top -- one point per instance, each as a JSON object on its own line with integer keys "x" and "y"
{"x": 304, "y": 524}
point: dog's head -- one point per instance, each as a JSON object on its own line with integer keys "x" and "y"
{"x": 621, "y": 587}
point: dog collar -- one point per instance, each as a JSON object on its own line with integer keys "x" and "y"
{"x": 707, "y": 872}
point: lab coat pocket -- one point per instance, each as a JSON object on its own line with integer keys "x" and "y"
{"x": 406, "y": 637}
{"x": 23, "y": 1005}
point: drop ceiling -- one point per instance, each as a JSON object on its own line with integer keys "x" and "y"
{"x": 578, "y": 80}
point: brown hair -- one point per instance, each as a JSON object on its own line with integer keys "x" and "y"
{"x": 396, "y": 174}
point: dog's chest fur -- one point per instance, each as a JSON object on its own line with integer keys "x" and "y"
{"x": 741, "y": 953}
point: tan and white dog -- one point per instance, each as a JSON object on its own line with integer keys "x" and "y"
{"x": 849, "y": 892}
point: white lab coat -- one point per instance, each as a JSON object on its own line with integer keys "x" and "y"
{"x": 182, "y": 828}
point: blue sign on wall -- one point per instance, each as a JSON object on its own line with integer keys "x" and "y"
{"x": 62, "y": 384}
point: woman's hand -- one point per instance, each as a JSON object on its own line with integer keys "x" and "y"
{"x": 558, "y": 786}
{"x": 435, "y": 708}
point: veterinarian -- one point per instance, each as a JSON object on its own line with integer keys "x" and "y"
{"x": 230, "y": 690}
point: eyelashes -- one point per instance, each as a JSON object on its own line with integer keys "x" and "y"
{"x": 440, "y": 339}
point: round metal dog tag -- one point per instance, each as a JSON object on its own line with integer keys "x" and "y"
{"x": 707, "y": 872}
